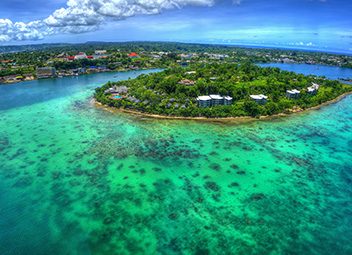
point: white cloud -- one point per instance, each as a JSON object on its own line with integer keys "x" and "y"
{"x": 94, "y": 12}
{"x": 81, "y": 16}
{"x": 19, "y": 31}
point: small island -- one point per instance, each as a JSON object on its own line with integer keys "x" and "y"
{"x": 220, "y": 90}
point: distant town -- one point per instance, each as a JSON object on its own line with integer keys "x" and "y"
{"x": 72, "y": 60}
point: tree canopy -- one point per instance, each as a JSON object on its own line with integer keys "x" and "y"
{"x": 163, "y": 93}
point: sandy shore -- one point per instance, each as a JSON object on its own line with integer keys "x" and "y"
{"x": 227, "y": 119}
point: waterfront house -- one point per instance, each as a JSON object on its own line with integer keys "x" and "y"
{"x": 313, "y": 89}
{"x": 79, "y": 71}
{"x": 260, "y": 99}
{"x": 204, "y": 101}
{"x": 216, "y": 100}
{"x": 46, "y": 72}
{"x": 293, "y": 94}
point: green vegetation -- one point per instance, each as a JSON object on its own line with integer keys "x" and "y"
{"x": 161, "y": 93}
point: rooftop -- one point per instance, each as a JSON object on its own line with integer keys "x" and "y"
{"x": 203, "y": 98}
{"x": 314, "y": 87}
{"x": 218, "y": 97}
{"x": 186, "y": 82}
{"x": 258, "y": 97}
{"x": 133, "y": 54}
{"x": 294, "y": 91}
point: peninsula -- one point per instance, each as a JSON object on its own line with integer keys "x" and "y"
{"x": 220, "y": 90}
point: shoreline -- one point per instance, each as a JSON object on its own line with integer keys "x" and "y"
{"x": 342, "y": 80}
{"x": 73, "y": 76}
{"x": 243, "y": 119}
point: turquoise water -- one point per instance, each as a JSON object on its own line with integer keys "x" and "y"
{"x": 76, "y": 179}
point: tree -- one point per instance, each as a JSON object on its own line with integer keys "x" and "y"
{"x": 251, "y": 108}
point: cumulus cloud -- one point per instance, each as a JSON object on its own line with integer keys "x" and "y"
{"x": 94, "y": 12}
{"x": 20, "y": 31}
{"x": 81, "y": 16}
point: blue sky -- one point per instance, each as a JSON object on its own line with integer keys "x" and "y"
{"x": 309, "y": 24}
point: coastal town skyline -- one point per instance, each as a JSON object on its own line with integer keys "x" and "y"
{"x": 305, "y": 24}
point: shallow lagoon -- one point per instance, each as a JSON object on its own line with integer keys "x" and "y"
{"x": 75, "y": 179}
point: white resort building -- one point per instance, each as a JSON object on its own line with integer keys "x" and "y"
{"x": 313, "y": 89}
{"x": 204, "y": 101}
{"x": 260, "y": 99}
{"x": 216, "y": 100}
{"x": 227, "y": 100}
{"x": 213, "y": 100}
{"x": 293, "y": 94}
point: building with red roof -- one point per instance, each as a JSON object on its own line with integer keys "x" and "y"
{"x": 133, "y": 55}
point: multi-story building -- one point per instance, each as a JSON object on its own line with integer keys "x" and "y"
{"x": 260, "y": 99}
{"x": 46, "y": 72}
{"x": 213, "y": 100}
{"x": 204, "y": 101}
{"x": 227, "y": 100}
{"x": 216, "y": 100}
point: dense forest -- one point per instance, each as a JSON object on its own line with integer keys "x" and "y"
{"x": 162, "y": 93}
